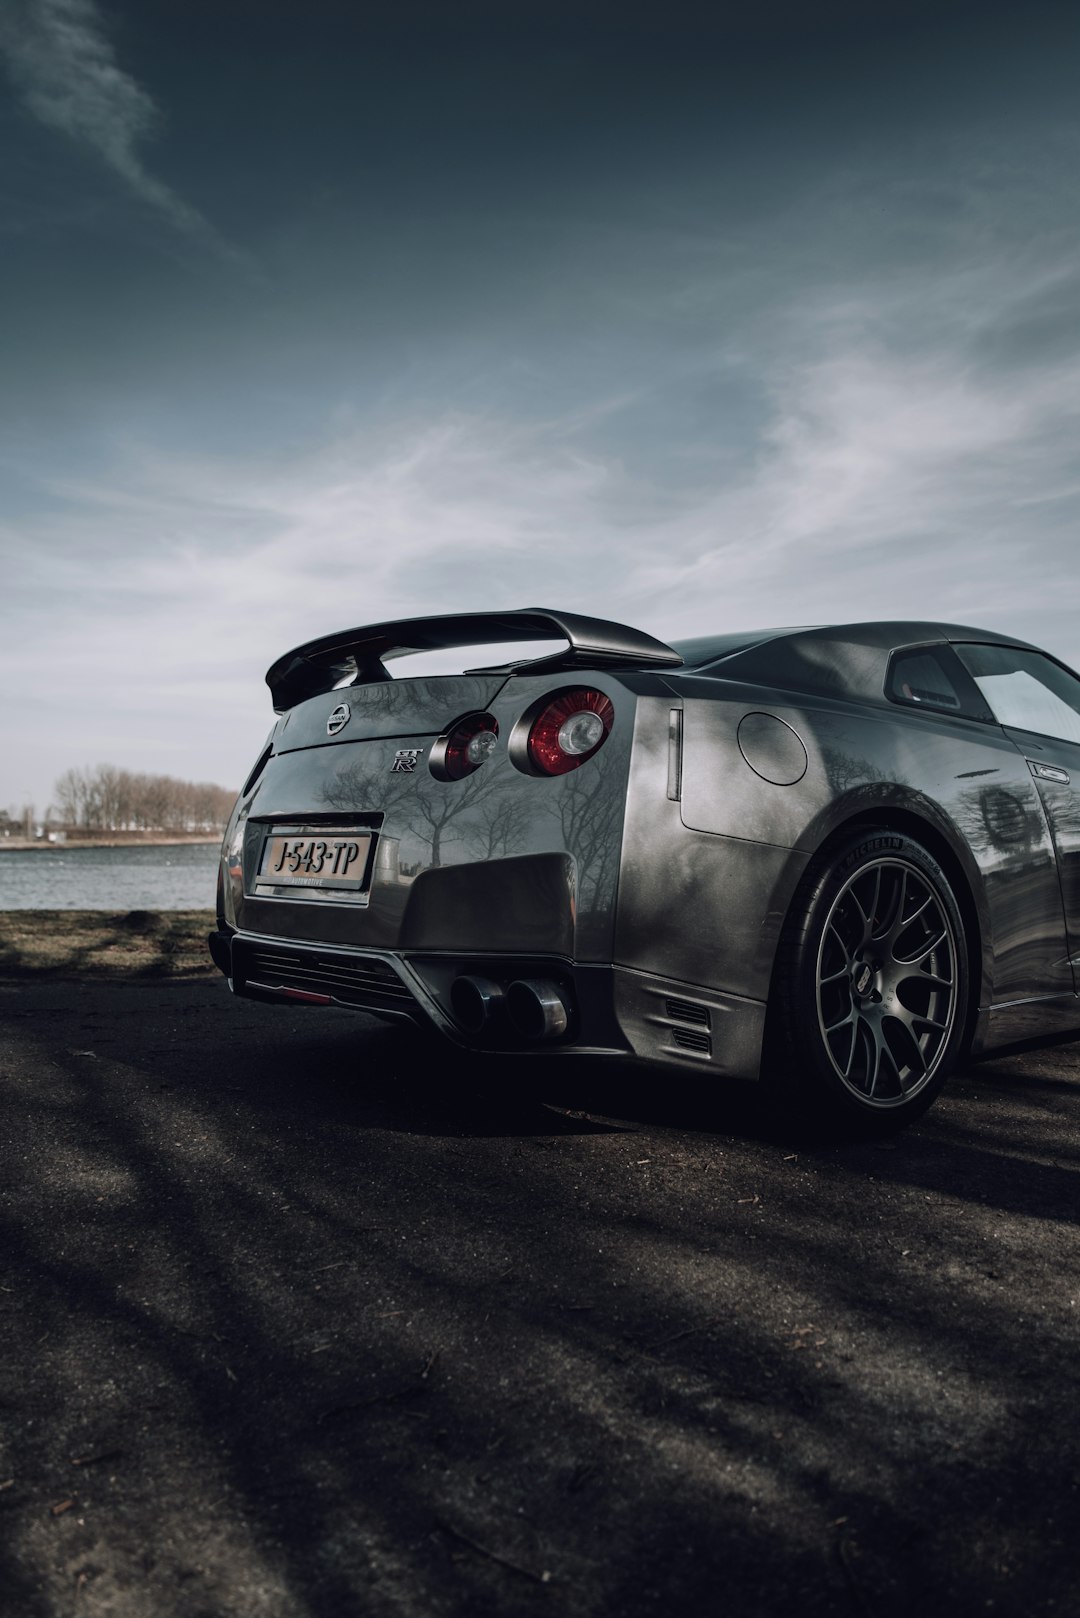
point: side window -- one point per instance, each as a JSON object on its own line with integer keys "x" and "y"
{"x": 1026, "y": 690}
{"x": 931, "y": 677}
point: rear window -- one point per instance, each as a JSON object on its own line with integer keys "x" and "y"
{"x": 933, "y": 677}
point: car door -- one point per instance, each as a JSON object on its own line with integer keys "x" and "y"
{"x": 1037, "y": 703}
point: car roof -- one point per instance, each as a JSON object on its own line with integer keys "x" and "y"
{"x": 839, "y": 660}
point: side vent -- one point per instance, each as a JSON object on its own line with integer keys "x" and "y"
{"x": 686, "y": 1011}
{"x": 692, "y": 1039}
{"x": 686, "y": 1024}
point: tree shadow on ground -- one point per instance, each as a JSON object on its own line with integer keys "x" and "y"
{"x": 302, "y": 1321}
{"x": 84, "y": 945}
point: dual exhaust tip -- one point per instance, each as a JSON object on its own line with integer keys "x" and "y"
{"x": 535, "y": 1008}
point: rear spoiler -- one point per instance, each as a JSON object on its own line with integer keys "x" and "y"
{"x": 358, "y": 656}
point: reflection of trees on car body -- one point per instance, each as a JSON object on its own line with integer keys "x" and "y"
{"x": 479, "y": 814}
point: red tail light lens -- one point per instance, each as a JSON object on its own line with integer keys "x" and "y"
{"x": 567, "y": 731}
{"x": 463, "y": 749}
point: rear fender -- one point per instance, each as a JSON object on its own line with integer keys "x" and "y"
{"x": 960, "y": 778}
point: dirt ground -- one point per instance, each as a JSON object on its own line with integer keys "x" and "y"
{"x": 302, "y": 1315}
{"x": 105, "y": 944}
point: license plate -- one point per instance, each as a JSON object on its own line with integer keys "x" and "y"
{"x": 331, "y": 861}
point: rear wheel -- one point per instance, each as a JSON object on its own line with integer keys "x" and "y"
{"x": 871, "y": 985}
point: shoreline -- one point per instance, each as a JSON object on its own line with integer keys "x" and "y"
{"x": 24, "y": 845}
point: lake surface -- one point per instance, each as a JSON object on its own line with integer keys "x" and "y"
{"x": 176, "y": 876}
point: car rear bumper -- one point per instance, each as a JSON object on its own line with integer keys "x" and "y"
{"x": 611, "y": 1010}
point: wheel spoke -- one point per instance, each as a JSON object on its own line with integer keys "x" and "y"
{"x": 908, "y": 1080}
{"x": 915, "y": 914}
{"x": 895, "y": 924}
{"x": 934, "y": 979}
{"x": 875, "y": 902}
{"x": 852, "y": 1021}
{"x": 855, "y": 1025}
{"x": 833, "y": 977}
{"x": 865, "y": 919}
{"x": 863, "y": 1028}
{"x": 907, "y": 1023}
{"x": 924, "y": 952}
{"x": 907, "y": 1020}
{"x": 881, "y": 1050}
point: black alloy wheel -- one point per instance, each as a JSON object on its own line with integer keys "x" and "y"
{"x": 871, "y": 984}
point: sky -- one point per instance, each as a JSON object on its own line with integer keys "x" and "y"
{"x": 699, "y": 319}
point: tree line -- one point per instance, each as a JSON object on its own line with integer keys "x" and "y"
{"x": 108, "y": 799}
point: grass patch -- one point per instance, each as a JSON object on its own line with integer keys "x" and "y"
{"x": 105, "y": 944}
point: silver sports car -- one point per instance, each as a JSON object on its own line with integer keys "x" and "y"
{"x": 845, "y": 857}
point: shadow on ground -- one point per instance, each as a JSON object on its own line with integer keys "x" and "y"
{"x": 305, "y": 1316}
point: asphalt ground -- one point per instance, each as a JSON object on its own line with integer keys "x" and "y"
{"x": 303, "y": 1315}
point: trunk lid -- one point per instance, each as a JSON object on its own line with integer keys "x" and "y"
{"x": 391, "y": 708}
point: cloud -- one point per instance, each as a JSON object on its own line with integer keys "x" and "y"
{"x": 881, "y": 485}
{"x": 898, "y": 467}
{"x": 66, "y": 72}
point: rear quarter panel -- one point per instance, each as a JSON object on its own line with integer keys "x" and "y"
{"x": 694, "y": 906}
{"x": 962, "y": 779}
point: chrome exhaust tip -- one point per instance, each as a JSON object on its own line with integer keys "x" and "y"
{"x": 476, "y": 1003}
{"x": 537, "y": 1008}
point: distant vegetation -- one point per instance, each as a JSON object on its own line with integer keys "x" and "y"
{"x": 108, "y": 799}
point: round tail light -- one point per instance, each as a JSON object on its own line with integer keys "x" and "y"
{"x": 461, "y": 750}
{"x": 565, "y": 731}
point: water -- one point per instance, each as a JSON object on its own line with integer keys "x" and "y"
{"x": 176, "y": 876}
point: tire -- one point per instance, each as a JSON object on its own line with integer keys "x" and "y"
{"x": 870, "y": 989}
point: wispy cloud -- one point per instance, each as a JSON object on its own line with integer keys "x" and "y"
{"x": 882, "y": 484}
{"x": 899, "y": 467}
{"x": 66, "y": 72}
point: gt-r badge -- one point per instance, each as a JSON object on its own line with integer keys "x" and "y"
{"x": 338, "y": 719}
{"x": 405, "y": 760}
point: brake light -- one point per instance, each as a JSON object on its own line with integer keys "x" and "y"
{"x": 566, "y": 731}
{"x": 461, "y": 750}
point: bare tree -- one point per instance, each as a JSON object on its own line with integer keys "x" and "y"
{"x": 70, "y": 795}
{"x": 110, "y": 799}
